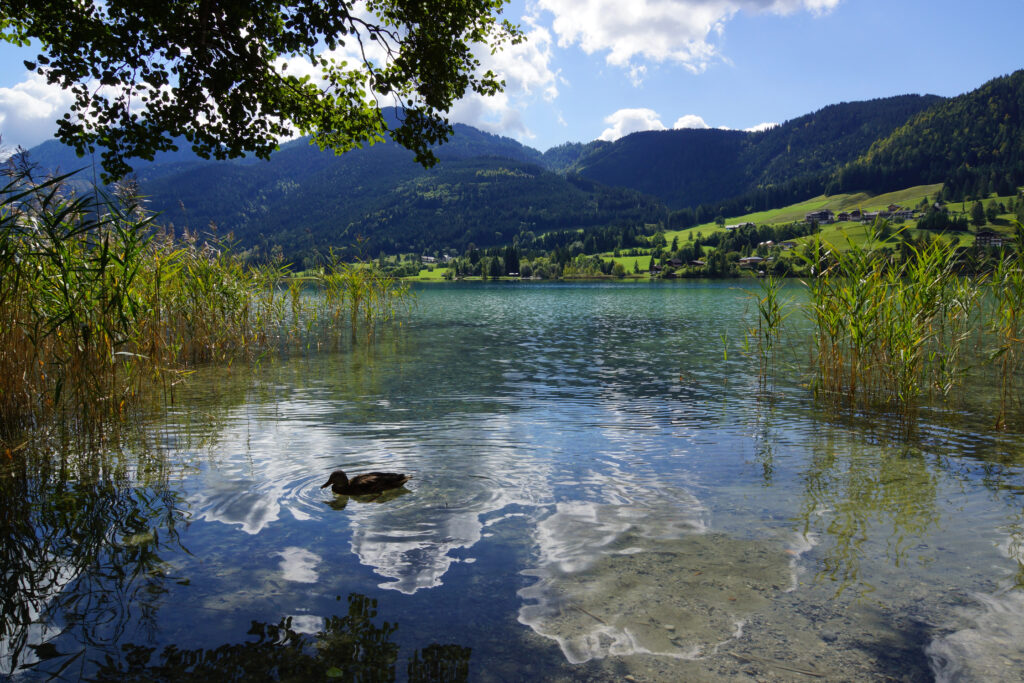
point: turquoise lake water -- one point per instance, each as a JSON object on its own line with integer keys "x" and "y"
{"x": 602, "y": 487}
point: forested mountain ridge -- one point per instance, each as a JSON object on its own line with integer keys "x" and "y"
{"x": 487, "y": 189}
{"x": 974, "y": 143}
{"x": 485, "y": 200}
{"x": 686, "y": 168}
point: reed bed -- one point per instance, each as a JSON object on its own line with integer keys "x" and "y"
{"x": 892, "y": 328}
{"x": 1007, "y": 326}
{"x": 100, "y": 304}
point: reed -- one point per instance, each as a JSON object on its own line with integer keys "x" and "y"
{"x": 772, "y": 312}
{"x": 1007, "y": 325}
{"x": 370, "y": 295}
{"x": 888, "y": 329}
{"x": 101, "y": 304}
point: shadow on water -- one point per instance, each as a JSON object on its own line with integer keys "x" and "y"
{"x": 82, "y": 542}
{"x": 350, "y": 648}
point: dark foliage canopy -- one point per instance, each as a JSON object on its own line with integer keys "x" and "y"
{"x": 145, "y": 72}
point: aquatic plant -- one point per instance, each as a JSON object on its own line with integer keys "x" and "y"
{"x": 772, "y": 312}
{"x": 888, "y": 329}
{"x": 1008, "y": 325}
{"x": 101, "y": 303}
{"x": 370, "y": 294}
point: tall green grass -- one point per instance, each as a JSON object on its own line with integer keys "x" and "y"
{"x": 1007, "y": 326}
{"x": 888, "y": 329}
{"x": 772, "y": 312}
{"x": 100, "y": 304}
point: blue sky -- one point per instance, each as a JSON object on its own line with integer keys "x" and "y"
{"x": 603, "y": 68}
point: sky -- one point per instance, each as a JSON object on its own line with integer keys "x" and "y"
{"x": 600, "y": 69}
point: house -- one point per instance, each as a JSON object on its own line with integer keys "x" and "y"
{"x": 767, "y": 243}
{"x": 843, "y": 216}
{"x": 821, "y": 216}
{"x": 655, "y": 268}
{"x": 737, "y": 226}
{"x": 990, "y": 238}
{"x": 675, "y": 263}
{"x": 428, "y": 259}
{"x": 697, "y": 263}
{"x": 786, "y": 246}
{"x": 750, "y": 261}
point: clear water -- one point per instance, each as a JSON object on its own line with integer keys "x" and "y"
{"x": 602, "y": 488}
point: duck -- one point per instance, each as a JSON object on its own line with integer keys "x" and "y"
{"x": 363, "y": 484}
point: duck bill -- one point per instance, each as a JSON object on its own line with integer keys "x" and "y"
{"x": 326, "y": 485}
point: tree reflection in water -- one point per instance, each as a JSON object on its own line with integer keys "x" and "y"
{"x": 349, "y": 648}
{"x": 81, "y": 538}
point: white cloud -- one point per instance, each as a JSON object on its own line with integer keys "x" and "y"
{"x": 526, "y": 70}
{"x": 690, "y": 121}
{"x": 680, "y": 31}
{"x": 626, "y": 121}
{"x": 29, "y": 111}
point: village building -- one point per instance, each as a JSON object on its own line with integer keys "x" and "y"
{"x": 824, "y": 216}
{"x": 990, "y": 238}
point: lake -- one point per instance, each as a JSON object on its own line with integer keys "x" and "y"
{"x": 603, "y": 487}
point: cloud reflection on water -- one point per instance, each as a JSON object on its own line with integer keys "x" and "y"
{"x": 299, "y": 565}
{"x": 986, "y": 644}
{"x": 410, "y": 541}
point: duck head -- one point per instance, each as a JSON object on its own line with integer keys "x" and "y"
{"x": 337, "y": 477}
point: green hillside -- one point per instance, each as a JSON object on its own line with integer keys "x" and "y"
{"x": 484, "y": 201}
{"x": 973, "y": 143}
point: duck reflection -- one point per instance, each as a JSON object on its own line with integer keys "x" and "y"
{"x": 350, "y": 647}
{"x": 339, "y": 502}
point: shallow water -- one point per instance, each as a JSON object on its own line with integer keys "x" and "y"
{"x": 601, "y": 487}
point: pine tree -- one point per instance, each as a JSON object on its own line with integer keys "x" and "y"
{"x": 978, "y": 214}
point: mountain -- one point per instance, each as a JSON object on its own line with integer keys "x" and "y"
{"x": 685, "y": 168}
{"x": 486, "y": 189}
{"x": 973, "y": 143}
{"x": 485, "y": 200}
